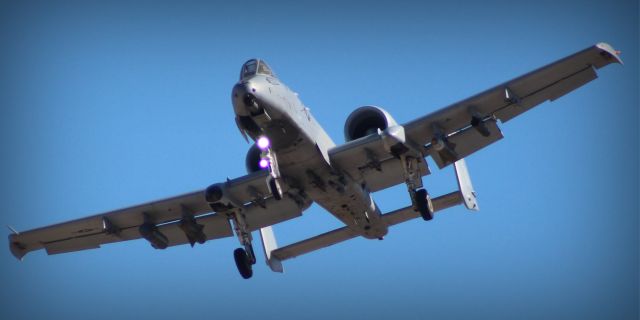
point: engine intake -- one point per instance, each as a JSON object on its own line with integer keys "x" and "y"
{"x": 252, "y": 160}
{"x": 215, "y": 196}
{"x": 365, "y": 121}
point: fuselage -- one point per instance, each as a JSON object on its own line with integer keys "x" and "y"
{"x": 266, "y": 107}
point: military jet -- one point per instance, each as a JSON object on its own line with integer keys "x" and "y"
{"x": 293, "y": 162}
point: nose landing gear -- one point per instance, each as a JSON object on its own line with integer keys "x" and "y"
{"x": 274, "y": 181}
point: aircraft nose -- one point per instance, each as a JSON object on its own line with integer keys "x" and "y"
{"x": 243, "y": 98}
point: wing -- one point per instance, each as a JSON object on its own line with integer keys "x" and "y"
{"x": 456, "y": 131}
{"x": 177, "y": 220}
{"x": 470, "y": 125}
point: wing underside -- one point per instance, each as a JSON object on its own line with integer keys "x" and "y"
{"x": 471, "y": 124}
{"x": 457, "y": 131}
{"x": 167, "y": 217}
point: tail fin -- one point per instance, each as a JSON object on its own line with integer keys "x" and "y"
{"x": 269, "y": 245}
{"x": 465, "y": 186}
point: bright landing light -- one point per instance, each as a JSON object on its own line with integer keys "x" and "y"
{"x": 264, "y": 163}
{"x": 263, "y": 143}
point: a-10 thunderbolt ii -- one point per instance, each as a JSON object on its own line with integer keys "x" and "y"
{"x": 293, "y": 163}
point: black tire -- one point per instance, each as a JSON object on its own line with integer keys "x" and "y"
{"x": 273, "y": 187}
{"x": 424, "y": 204}
{"x": 243, "y": 263}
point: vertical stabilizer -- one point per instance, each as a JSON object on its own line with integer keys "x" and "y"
{"x": 465, "y": 186}
{"x": 269, "y": 245}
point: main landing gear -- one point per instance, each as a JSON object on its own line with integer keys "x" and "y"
{"x": 245, "y": 258}
{"x": 244, "y": 261}
{"x": 420, "y": 198}
{"x": 423, "y": 204}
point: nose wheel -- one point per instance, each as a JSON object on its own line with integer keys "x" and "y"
{"x": 243, "y": 262}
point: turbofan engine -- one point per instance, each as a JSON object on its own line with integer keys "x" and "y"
{"x": 259, "y": 156}
{"x": 253, "y": 158}
{"x": 365, "y": 121}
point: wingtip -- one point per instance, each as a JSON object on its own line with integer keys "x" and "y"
{"x": 613, "y": 53}
{"x": 13, "y": 230}
{"x": 17, "y": 250}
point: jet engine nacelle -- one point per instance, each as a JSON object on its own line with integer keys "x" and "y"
{"x": 216, "y": 196}
{"x": 365, "y": 121}
{"x": 252, "y": 160}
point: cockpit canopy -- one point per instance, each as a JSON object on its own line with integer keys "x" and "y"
{"x": 253, "y": 67}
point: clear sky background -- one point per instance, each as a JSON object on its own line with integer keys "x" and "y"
{"x": 105, "y": 106}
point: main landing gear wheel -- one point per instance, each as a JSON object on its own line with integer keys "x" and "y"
{"x": 243, "y": 263}
{"x": 424, "y": 204}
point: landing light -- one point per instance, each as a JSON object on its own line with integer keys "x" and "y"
{"x": 263, "y": 143}
{"x": 264, "y": 163}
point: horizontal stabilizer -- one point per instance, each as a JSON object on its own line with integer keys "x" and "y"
{"x": 340, "y": 235}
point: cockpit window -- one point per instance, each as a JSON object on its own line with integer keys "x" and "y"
{"x": 248, "y": 69}
{"x": 263, "y": 68}
{"x": 253, "y": 67}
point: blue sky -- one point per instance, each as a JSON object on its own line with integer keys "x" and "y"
{"x": 110, "y": 105}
